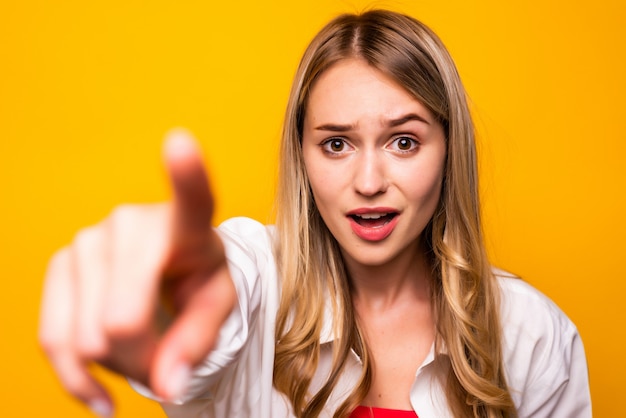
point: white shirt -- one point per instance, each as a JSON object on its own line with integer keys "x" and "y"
{"x": 543, "y": 354}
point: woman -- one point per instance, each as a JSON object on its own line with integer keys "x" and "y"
{"x": 372, "y": 295}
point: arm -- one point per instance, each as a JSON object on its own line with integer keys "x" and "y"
{"x": 543, "y": 353}
{"x": 561, "y": 387}
{"x": 101, "y": 293}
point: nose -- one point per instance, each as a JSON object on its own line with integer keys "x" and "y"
{"x": 370, "y": 175}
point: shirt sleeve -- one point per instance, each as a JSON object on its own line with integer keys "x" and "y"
{"x": 245, "y": 241}
{"x": 544, "y": 355}
{"x": 561, "y": 389}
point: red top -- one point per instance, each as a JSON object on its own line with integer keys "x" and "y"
{"x": 371, "y": 412}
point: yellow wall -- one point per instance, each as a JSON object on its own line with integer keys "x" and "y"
{"x": 87, "y": 90}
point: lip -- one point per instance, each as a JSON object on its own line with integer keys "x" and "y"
{"x": 375, "y": 233}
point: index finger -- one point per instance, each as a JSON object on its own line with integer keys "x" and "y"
{"x": 193, "y": 200}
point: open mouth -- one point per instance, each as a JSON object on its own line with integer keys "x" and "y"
{"x": 373, "y": 220}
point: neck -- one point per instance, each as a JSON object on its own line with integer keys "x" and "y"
{"x": 405, "y": 278}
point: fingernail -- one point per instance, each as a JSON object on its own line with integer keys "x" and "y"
{"x": 101, "y": 408}
{"x": 178, "y": 381}
{"x": 179, "y": 142}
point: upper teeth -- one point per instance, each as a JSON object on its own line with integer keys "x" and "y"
{"x": 372, "y": 215}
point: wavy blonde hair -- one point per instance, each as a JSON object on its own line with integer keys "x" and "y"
{"x": 465, "y": 294}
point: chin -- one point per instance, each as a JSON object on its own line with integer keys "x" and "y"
{"x": 375, "y": 258}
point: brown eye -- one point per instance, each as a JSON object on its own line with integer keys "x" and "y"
{"x": 336, "y": 145}
{"x": 405, "y": 144}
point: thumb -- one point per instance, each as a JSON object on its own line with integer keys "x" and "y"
{"x": 193, "y": 334}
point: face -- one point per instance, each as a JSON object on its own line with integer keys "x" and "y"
{"x": 375, "y": 158}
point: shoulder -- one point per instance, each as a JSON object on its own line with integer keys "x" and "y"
{"x": 531, "y": 322}
{"x": 526, "y": 310}
{"x": 249, "y": 249}
{"x": 247, "y": 228}
{"x": 246, "y": 236}
{"x": 542, "y": 352}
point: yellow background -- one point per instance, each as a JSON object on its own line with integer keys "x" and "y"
{"x": 87, "y": 90}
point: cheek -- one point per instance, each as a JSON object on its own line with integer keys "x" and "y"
{"x": 322, "y": 191}
{"x": 318, "y": 179}
{"x": 423, "y": 186}
{"x": 323, "y": 177}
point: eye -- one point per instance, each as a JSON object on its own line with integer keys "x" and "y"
{"x": 335, "y": 146}
{"x": 404, "y": 144}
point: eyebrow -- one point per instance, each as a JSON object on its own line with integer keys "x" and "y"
{"x": 407, "y": 118}
{"x": 333, "y": 127}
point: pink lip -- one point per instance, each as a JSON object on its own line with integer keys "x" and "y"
{"x": 376, "y": 233}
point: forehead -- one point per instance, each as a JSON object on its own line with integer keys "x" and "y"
{"x": 352, "y": 89}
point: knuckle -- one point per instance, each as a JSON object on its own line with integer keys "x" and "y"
{"x": 49, "y": 344}
{"x": 59, "y": 261}
{"x": 86, "y": 237}
{"x": 127, "y": 219}
{"x": 92, "y": 347}
{"x": 89, "y": 247}
{"x": 119, "y": 326}
{"x": 122, "y": 210}
{"x": 123, "y": 215}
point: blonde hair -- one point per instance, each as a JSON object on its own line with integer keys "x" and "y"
{"x": 465, "y": 293}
